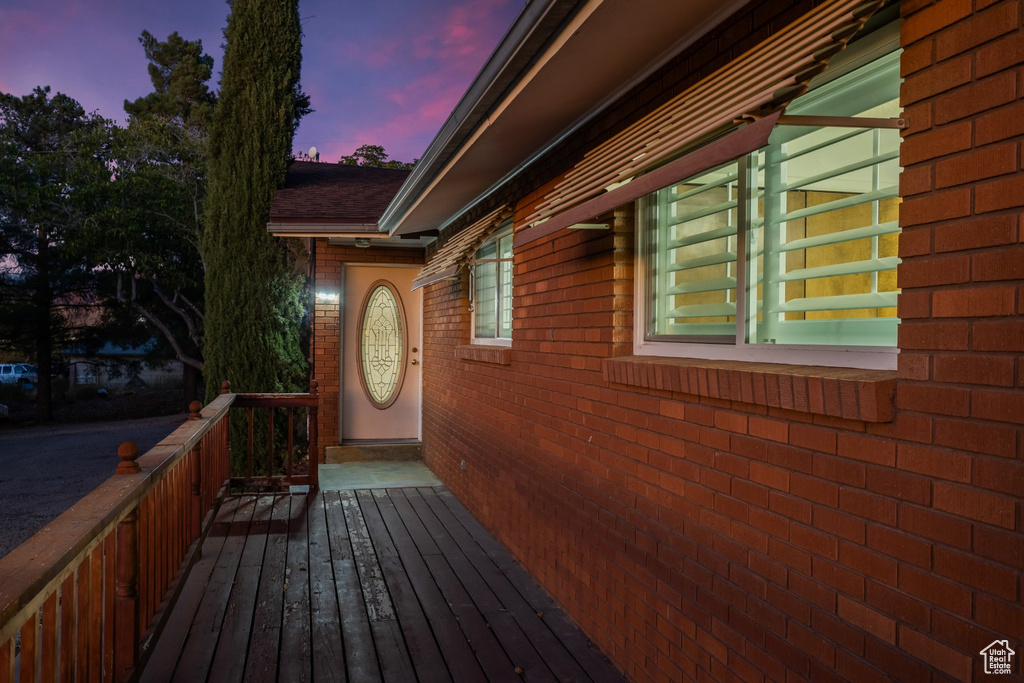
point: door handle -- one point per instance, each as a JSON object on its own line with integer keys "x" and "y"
{"x": 415, "y": 362}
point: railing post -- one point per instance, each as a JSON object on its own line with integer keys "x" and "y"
{"x": 314, "y": 440}
{"x": 225, "y": 444}
{"x": 194, "y": 409}
{"x": 126, "y": 577}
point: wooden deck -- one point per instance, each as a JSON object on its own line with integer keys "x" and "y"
{"x": 385, "y": 584}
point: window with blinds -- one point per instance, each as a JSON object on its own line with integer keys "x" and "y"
{"x": 492, "y": 287}
{"x": 812, "y": 219}
{"x": 693, "y": 277}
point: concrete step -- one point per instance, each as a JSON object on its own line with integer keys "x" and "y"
{"x": 374, "y": 452}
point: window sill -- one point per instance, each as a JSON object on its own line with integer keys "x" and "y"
{"x": 479, "y": 353}
{"x": 853, "y": 394}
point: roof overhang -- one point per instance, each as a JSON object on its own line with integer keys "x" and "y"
{"x": 561, "y": 63}
{"x": 323, "y": 229}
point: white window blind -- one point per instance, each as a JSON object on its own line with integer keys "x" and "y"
{"x": 823, "y": 240}
{"x": 492, "y": 287}
{"x": 694, "y": 277}
{"x": 812, "y": 219}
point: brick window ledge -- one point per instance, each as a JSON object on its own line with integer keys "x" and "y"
{"x": 866, "y": 395}
{"x": 498, "y": 355}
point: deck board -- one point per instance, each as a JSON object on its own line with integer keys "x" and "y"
{"x": 368, "y": 585}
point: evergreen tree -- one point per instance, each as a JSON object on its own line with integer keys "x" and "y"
{"x": 179, "y": 71}
{"x": 254, "y": 295}
{"x": 148, "y": 237}
{"x": 54, "y": 179}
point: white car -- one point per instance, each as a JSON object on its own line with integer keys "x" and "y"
{"x": 15, "y": 373}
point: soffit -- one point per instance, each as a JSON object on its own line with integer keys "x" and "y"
{"x": 607, "y": 47}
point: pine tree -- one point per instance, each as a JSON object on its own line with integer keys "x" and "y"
{"x": 54, "y": 179}
{"x": 254, "y": 295}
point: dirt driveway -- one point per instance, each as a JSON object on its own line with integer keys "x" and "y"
{"x": 45, "y": 470}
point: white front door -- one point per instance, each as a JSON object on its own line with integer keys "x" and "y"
{"x": 380, "y": 350}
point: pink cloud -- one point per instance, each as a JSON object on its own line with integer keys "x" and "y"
{"x": 376, "y": 54}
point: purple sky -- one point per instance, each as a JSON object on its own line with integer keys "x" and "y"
{"x": 384, "y": 72}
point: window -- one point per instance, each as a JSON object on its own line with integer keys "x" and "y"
{"x": 491, "y": 288}
{"x": 791, "y": 248}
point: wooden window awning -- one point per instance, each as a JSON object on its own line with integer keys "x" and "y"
{"x": 457, "y": 251}
{"x": 756, "y": 85}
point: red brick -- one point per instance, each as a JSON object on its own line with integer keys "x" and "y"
{"x": 914, "y": 365}
{"x": 1003, "y": 264}
{"x": 998, "y": 335}
{"x": 839, "y": 470}
{"x": 1004, "y": 193}
{"x": 875, "y": 623}
{"x": 938, "y": 270}
{"x": 974, "y": 504}
{"x": 1002, "y": 406}
{"x": 839, "y": 524}
{"x": 867, "y": 449}
{"x": 939, "y": 79}
{"x": 1006, "y": 547}
{"x": 977, "y": 437}
{"x": 935, "y": 590}
{"x": 980, "y": 28}
{"x": 872, "y": 565}
{"x": 999, "y": 615}
{"x": 914, "y": 304}
{"x": 919, "y": 334}
{"x": 970, "y": 99}
{"x": 904, "y": 547}
{"x": 775, "y": 430}
{"x": 867, "y": 505}
{"x": 913, "y": 181}
{"x": 916, "y": 57}
{"x": 732, "y": 422}
{"x": 902, "y": 486}
{"x": 934, "y": 462}
{"x": 969, "y": 570}
{"x": 975, "y": 234}
{"x": 1005, "y": 476}
{"x": 1002, "y": 54}
{"x": 933, "y": 18}
{"x": 978, "y": 164}
{"x": 929, "y": 398}
{"x": 815, "y": 438}
{"x": 936, "y": 143}
{"x": 1001, "y": 124}
{"x": 956, "y": 664}
{"x": 767, "y": 475}
{"x": 974, "y": 369}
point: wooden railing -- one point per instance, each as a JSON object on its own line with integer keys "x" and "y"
{"x": 83, "y": 598}
{"x": 282, "y": 457}
{"x": 79, "y": 600}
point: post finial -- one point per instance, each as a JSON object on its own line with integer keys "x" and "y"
{"x": 225, "y": 387}
{"x": 313, "y": 384}
{"x": 128, "y": 451}
{"x": 194, "y": 409}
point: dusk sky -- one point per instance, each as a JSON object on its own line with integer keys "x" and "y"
{"x": 385, "y": 72}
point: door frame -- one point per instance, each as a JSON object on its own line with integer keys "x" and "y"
{"x": 416, "y": 310}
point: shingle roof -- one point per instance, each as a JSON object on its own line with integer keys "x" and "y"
{"x": 332, "y": 193}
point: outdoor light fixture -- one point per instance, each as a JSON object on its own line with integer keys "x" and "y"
{"x": 362, "y": 242}
{"x": 327, "y": 297}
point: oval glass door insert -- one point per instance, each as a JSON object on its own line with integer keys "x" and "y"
{"x": 382, "y": 344}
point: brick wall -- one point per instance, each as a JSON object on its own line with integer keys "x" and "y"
{"x": 326, "y": 348}
{"x": 695, "y": 535}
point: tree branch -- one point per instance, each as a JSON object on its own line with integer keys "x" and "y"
{"x": 157, "y": 323}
